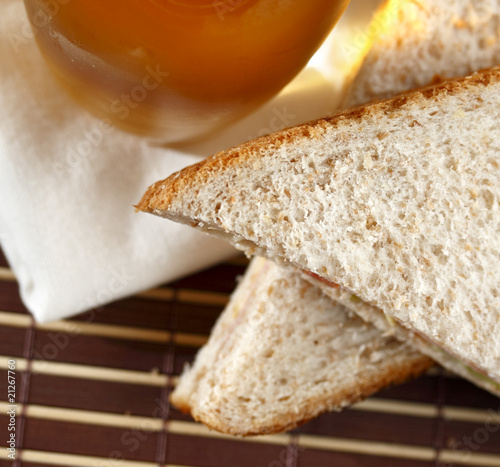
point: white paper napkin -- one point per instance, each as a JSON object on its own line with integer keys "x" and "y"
{"x": 68, "y": 183}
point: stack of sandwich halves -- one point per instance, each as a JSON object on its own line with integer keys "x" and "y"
{"x": 382, "y": 223}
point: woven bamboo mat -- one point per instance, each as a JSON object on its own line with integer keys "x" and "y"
{"x": 93, "y": 391}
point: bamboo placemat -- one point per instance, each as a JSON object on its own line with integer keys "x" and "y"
{"x": 93, "y": 391}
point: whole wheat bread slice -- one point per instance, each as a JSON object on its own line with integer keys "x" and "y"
{"x": 417, "y": 42}
{"x": 397, "y": 201}
{"x": 282, "y": 353}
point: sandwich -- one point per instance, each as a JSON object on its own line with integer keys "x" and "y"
{"x": 392, "y": 208}
{"x": 282, "y": 352}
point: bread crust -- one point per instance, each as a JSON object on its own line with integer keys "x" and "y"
{"x": 393, "y": 374}
{"x": 160, "y": 195}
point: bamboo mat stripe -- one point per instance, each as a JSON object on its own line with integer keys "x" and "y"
{"x": 187, "y": 296}
{"x": 87, "y": 417}
{"x": 366, "y": 447}
{"x": 6, "y": 274}
{"x": 469, "y": 458}
{"x": 196, "y": 429}
{"x": 92, "y": 372}
{"x": 31, "y": 456}
{"x": 15, "y": 319}
{"x": 397, "y": 407}
{"x": 428, "y": 410}
{"x": 104, "y": 330}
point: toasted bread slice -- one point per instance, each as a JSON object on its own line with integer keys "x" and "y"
{"x": 396, "y": 201}
{"x": 282, "y": 353}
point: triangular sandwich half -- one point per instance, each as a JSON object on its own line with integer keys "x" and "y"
{"x": 397, "y": 202}
{"x": 282, "y": 352}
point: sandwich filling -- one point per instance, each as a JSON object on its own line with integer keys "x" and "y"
{"x": 475, "y": 373}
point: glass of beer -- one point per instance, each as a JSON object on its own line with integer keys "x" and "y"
{"x": 175, "y": 70}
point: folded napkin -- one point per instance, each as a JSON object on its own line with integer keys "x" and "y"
{"x": 68, "y": 183}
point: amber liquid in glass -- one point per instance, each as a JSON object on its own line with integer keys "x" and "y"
{"x": 173, "y": 70}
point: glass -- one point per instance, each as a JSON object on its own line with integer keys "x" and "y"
{"x": 173, "y": 70}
